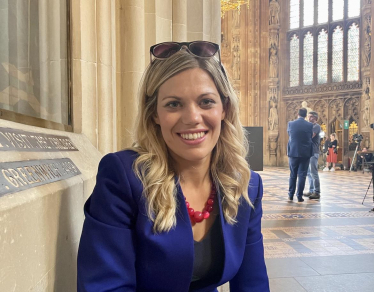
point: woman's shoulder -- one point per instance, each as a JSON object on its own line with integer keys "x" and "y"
{"x": 126, "y": 157}
{"x": 255, "y": 185}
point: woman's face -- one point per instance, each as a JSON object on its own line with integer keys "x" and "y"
{"x": 332, "y": 137}
{"x": 189, "y": 112}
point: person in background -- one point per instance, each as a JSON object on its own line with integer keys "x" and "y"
{"x": 332, "y": 153}
{"x": 364, "y": 156}
{"x": 299, "y": 151}
{"x": 314, "y": 184}
{"x": 180, "y": 210}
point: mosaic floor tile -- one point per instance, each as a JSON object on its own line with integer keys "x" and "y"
{"x": 296, "y": 230}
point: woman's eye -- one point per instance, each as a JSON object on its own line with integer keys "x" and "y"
{"x": 173, "y": 104}
{"x": 207, "y": 102}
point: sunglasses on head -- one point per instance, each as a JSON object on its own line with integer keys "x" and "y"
{"x": 200, "y": 49}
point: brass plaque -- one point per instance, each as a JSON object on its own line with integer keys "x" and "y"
{"x": 21, "y": 175}
{"x": 19, "y": 140}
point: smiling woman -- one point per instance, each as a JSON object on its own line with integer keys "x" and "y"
{"x": 182, "y": 199}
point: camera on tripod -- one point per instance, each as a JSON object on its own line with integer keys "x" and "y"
{"x": 358, "y": 137}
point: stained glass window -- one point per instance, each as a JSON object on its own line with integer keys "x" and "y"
{"x": 338, "y": 9}
{"x": 337, "y": 55}
{"x": 308, "y": 12}
{"x": 353, "y": 8}
{"x": 353, "y": 65}
{"x": 322, "y": 56}
{"x": 323, "y": 11}
{"x": 294, "y": 14}
{"x": 294, "y": 61}
{"x": 308, "y": 59}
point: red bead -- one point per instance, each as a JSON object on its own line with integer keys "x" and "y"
{"x": 187, "y": 204}
{"x": 209, "y": 208}
{"x": 191, "y": 211}
{"x": 206, "y": 214}
{"x": 212, "y": 197}
{"x": 210, "y": 202}
{"x": 198, "y": 216}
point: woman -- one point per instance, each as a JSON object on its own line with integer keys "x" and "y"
{"x": 332, "y": 153}
{"x": 181, "y": 210}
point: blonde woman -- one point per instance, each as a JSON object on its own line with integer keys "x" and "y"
{"x": 180, "y": 211}
{"x": 332, "y": 153}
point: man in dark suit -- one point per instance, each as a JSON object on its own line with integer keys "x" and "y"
{"x": 299, "y": 151}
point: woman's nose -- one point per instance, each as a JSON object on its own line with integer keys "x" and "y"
{"x": 191, "y": 115}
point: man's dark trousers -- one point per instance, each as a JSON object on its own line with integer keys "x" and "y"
{"x": 298, "y": 168}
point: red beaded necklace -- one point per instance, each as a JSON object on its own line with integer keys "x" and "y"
{"x": 196, "y": 216}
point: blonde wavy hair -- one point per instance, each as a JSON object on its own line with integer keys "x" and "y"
{"x": 228, "y": 168}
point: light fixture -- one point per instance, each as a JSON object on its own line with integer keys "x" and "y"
{"x": 227, "y": 5}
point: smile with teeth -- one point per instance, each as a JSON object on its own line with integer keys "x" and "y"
{"x": 193, "y": 136}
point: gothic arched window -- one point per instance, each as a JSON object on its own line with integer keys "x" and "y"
{"x": 324, "y": 41}
{"x": 337, "y": 54}
{"x": 308, "y": 59}
{"x": 322, "y": 57}
{"x": 294, "y": 60}
{"x": 353, "y": 52}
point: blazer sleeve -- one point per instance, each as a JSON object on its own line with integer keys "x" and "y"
{"x": 106, "y": 255}
{"x": 252, "y": 275}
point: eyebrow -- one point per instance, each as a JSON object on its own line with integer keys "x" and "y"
{"x": 179, "y": 98}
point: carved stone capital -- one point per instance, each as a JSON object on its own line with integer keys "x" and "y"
{"x": 273, "y": 142}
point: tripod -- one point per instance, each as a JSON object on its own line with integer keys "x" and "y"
{"x": 354, "y": 156}
{"x": 371, "y": 181}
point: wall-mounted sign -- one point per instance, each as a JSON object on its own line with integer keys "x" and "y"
{"x": 12, "y": 139}
{"x": 21, "y": 175}
{"x": 346, "y": 124}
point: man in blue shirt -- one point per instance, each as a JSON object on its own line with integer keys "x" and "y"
{"x": 314, "y": 185}
{"x": 299, "y": 151}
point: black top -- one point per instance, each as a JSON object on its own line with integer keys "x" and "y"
{"x": 209, "y": 257}
{"x": 335, "y": 142}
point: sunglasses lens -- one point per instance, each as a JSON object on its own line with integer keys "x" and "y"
{"x": 165, "y": 50}
{"x": 203, "y": 49}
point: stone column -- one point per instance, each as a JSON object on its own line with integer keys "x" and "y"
{"x": 273, "y": 92}
{"x": 104, "y": 75}
{"x": 215, "y": 31}
{"x": 195, "y": 19}
{"x": 180, "y": 20}
{"x": 84, "y": 77}
{"x": 130, "y": 40}
{"x": 164, "y": 19}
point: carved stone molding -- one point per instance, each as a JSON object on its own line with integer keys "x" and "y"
{"x": 365, "y": 101}
{"x": 322, "y": 88}
{"x": 366, "y": 50}
{"x": 352, "y": 109}
{"x": 336, "y": 110}
{"x": 274, "y": 9}
{"x": 292, "y": 111}
{"x": 273, "y": 91}
{"x": 273, "y": 142}
{"x": 236, "y": 57}
{"x": 320, "y": 107}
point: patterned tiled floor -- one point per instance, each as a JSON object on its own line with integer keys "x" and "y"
{"x": 306, "y": 243}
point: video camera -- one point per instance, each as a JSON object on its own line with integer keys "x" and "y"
{"x": 358, "y": 137}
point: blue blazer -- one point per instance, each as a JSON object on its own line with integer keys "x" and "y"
{"x": 300, "y": 134}
{"x": 119, "y": 252}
